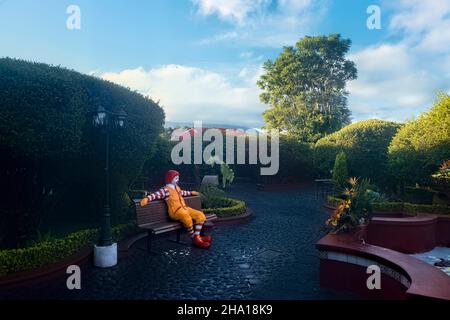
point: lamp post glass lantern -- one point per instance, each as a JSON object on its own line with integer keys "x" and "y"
{"x": 105, "y": 254}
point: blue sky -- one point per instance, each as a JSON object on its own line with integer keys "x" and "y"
{"x": 201, "y": 58}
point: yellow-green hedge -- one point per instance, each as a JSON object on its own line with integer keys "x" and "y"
{"x": 233, "y": 207}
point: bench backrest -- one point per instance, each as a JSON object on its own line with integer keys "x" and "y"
{"x": 156, "y": 211}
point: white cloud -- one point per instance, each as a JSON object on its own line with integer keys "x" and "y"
{"x": 424, "y": 24}
{"x": 399, "y": 80}
{"x": 189, "y": 93}
{"x": 235, "y": 11}
{"x": 390, "y": 84}
{"x": 265, "y": 23}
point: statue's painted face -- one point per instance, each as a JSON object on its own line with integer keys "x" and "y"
{"x": 176, "y": 180}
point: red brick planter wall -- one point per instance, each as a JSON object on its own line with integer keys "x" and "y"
{"x": 410, "y": 234}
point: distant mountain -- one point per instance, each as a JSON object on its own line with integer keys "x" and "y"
{"x": 175, "y": 124}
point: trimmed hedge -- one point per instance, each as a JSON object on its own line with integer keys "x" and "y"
{"x": 387, "y": 206}
{"x": 421, "y": 145}
{"x": 54, "y": 250}
{"x": 44, "y": 253}
{"x": 365, "y": 144}
{"x": 47, "y": 139}
{"x": 410, "y": 207}
{"x": 230, "y": 207}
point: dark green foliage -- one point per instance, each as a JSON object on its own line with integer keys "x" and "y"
{"x": 224, "y": 207}
{"x": 305, "y": 87}
{"x": 52, "y": 159}
{"x": 296, "y": 161}
{"x": 157, "y": 164}
{"x": 411, "y": 208}
{"x": 53, "y": 250}
{"x": 365, "y": 144}
{"x": 421, "y": 145}
{"x": 44, "y": 253}
{"x": 211, "y": 191}
{"x": 417, "y": 195}
{"x": 340, "y": 173}
{"x": 215, "y": 201}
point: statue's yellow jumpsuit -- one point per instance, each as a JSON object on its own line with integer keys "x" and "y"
{"x": 179, "y": 211}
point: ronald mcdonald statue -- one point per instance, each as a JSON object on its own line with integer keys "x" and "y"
{"x": 178, "y": 210}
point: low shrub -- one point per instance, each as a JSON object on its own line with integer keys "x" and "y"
{"x": 44, "y": 253}
{"x": 54, "y": 250}
{"x": 390, "y": 206}
{"x": 224, "y": 207}
{"x": 417, "y": 196}
{"x": 410, "y": 208}
{"x": 211, "y": 191}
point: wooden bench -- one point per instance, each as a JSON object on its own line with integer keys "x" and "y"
{"x": 155, "y": 219}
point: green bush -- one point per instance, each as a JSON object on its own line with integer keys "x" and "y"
{"x": 211, "y": 191}
{"x": 421, "y": 145}
{"x": 137, "y": 194}
{"x": 387, "y": 206}
{"x": 123, "y": 231}
{"x": 44, "y": 253}
{"x": 296, "y": 162}
{"x": 54, "y": 250}
{"x": 340, "y": 173}
{"x": 417, "y": 195}
{"x": 365, "y": 144}
{"x": 225, "y": 207}
{"x": 47, "y": 139}
{"x": 410, "y": 208}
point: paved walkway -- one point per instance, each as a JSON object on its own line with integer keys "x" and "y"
{"x": 271, "y": 256}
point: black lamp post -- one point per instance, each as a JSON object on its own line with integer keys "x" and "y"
{"x": 107, "y": 120}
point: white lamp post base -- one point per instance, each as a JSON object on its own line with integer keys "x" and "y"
{"x": 105, "y": 256}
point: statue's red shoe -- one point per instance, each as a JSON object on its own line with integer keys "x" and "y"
{"x": 198, "y": 242}
{"x": 206, "y": 239}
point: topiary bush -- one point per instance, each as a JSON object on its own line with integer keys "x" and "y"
{"x": 365, "y": 144}
{"x": 340, "y": 172}
{"x": 421, "y": 145}
{"x": 52, "y": 159}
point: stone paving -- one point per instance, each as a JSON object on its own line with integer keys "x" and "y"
{"x": 270, "y": 256}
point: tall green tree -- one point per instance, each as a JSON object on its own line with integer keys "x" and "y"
{"x": 305, "y": 87}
